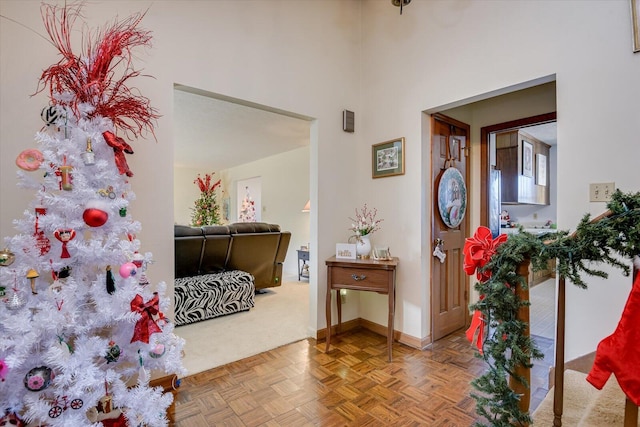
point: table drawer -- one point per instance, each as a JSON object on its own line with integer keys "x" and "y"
{"x": 356, "y": 278}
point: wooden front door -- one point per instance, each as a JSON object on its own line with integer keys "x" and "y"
{"x": 449, "y": 283}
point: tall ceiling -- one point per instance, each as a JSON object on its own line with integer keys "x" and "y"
{"x": 212, "y": 133}
{"x": 546, "y": 132}
{"x": 215, "y": 134}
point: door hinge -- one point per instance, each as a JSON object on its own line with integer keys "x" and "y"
{"x": 466, "y": 296}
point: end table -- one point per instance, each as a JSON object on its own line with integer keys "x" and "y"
{"x": 303, "y": 255}
{"x": 361, "y": 275}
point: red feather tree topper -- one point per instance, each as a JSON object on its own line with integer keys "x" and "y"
{"x": 91, "y": 77}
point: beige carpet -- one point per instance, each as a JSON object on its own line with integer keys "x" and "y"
{"x": 280, "y": 316}
{"x": 584, "y": 405}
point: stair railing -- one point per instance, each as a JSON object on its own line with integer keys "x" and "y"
{"x": 631, "y": 410}
{"x": 522, "y": 315}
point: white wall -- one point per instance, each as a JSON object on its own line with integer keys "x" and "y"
{"x": 299, "y": 57}
{"x": 317, "y": 58}
{"x": 438, "y": 53}
{"x": 186, "y": 192}
{"x": 285, "y": 190}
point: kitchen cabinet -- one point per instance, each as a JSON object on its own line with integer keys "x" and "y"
{"x": 535, "y": 278}
{"x": 524, "y": 164}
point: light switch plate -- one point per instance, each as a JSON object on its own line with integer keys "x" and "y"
{"x": 601, "y": 192}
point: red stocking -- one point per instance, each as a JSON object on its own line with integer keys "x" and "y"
{"x": 619, "y": 353}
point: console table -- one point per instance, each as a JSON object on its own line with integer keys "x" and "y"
{"x": 361, "y": 275}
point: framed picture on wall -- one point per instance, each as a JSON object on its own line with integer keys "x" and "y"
{"x": 541, "y": 169}
{"x": 635, "y": 24}
{"x": 527, "y": 158}
{"x": 387, "y": 158}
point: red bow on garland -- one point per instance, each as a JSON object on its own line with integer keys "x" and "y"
{"x": 119, "y": 148}
{"x": 478, "y": 250}
{"x": 146, "y": 325}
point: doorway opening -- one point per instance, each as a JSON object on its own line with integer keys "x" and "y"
{"x": 525, "y": 105}
{"x": 239, "y": 140}
{"x": 537, "y": 216}
{"x": 496, "y": 111}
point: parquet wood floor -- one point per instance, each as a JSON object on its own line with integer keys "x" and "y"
{"x": 298, "y": 385}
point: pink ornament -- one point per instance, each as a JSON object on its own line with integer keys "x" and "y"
{"x": 38, "y": 378}
{"x": 95, "y": 214}
{"x": 157, "y": 351}
{"x": 30, "y": 160}
{"x": 128, "y": 269}
{"x": 4, "y": 370}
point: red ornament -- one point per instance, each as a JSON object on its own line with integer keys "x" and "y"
{"x": 121, "y": 421}
{"x": 95, "y": 214}
{"x": 65, "y": 235}
{"x": 138, "y": 259}
{"x": 119, "y": 148}
{"x": 42, "y": 242}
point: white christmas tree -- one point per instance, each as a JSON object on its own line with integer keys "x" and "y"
{"x": 81, "y": 328}
{"x": 248, "y": 208}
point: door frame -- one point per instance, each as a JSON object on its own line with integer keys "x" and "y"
{"x": 485, "y": 155}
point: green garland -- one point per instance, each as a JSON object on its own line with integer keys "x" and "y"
{"x": 610, "y": 240}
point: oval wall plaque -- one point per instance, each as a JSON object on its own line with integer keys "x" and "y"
{"x": 452, "y": 197}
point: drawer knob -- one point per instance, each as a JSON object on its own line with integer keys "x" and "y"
{"x": 358, "y": 278}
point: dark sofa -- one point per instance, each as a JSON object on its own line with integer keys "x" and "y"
{"x": 218, "y": 268}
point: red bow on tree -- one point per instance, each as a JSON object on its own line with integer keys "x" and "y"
{"x": 478, "y": 250}
{"x": 119, "y": 148}
{"x": 146, "y": 325}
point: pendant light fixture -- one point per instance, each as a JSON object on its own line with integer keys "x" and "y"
{"x": 400, "y": 3}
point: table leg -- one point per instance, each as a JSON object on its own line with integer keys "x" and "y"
{"x": 339, "y": 302}
{"x": 328, "y": 316}
{"x": 390, "y": 326}
{"x": 392, "y": 306}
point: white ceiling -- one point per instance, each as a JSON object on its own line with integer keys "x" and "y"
{"x": 546, "y": 132}
{"x": 211, "y": 133}
{"x": 216, "y": 134}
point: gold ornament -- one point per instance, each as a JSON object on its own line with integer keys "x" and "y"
{"x": 6, "y": 257}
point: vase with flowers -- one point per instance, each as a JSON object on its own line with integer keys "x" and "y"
{"x": 364, "y": 225}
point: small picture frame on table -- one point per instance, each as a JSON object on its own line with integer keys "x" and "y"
{"x": 345, "y": 251}
{"x": 387, "y": 158}
{"x": 382, "y": 253}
